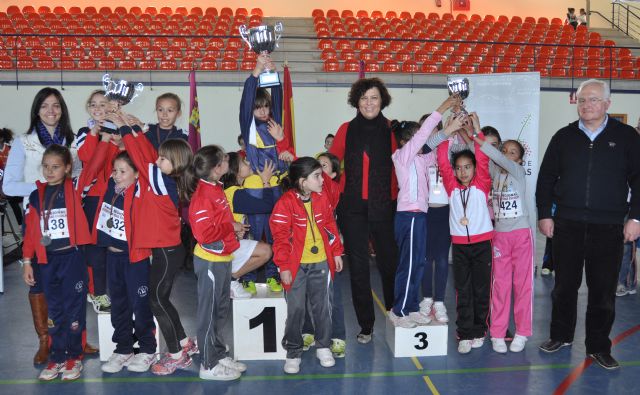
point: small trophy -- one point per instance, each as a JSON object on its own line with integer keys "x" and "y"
{"x": 459, "y": 87}
{"x": 120, "y": 93}
{"x": 263, "y": 40}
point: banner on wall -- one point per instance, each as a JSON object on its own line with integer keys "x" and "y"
{"x": 511, "y": 104}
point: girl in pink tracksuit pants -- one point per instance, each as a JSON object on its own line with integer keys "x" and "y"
{"x": 512, "y": 246}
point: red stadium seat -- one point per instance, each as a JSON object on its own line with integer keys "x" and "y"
{"x": 127, "y": 63}
{"x": 107, "y": 63}
{"x": 371, "y": 66}
{"x": 390, "y": 66}
{"x": 467, "y": 68}
{"x": 168, "y": 64}
{"x": 25, "y": 62}
{"x": 331, "y": 65}
{"x": 410, "y": 66}
{"x": 351, "y": 65}
{"x": 328, "y": 53}
{"x": 228, "y": 63}
{"x": 45, "y": 63}
{"x": 67, "y": 63}
{"x": 428, "y": 67}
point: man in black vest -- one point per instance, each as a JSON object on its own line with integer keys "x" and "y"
{"x": 587, "y": 171}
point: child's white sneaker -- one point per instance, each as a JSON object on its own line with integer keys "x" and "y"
{"x": 233, "y": 364}
{"x": 51, "y": 371}
{"x": 477, "y": 342}
{"x": 219, "y": 373}
{"x": 141, "y": 362}
{"x": 237, "y": 291}
{"x": 464, "y": 346}
{"x": 325, "y": 356}
{"x": 499, "y": 345}
{"x": 401, "y": 322}
{"x": 425, "y": 306}
{"x": 440, "y": 312}
{"x": 419, "y": 318}
{"x": 292, "y": 365}
{"x": 116, "y": 362}
{"x": 518, "y": 343}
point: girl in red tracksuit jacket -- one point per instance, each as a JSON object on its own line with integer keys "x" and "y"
{"x": 55, "y": 226}
{"x": 167, "y": 172}
{"x": 119, "y": 220}
{"x": 468, "y": 183}
{"x": 307, "y": 250}
{"x": 217, "y": 236}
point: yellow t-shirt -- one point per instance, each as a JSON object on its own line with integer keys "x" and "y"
{"x": 255, "y": 182}
{"x": 312, "y": 238}
{"x": 229, "y": 192}
{"x": 207, "y": 256}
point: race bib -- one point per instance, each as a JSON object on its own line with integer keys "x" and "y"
{"x": 507, "y": 204}
{"x": 111, "y": 221}
{"x": 437, "y": 193}
{"x": 58, "y": 226}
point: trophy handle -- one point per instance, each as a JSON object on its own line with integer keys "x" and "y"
{"x": 278, "y": 29}
{"x": 138, "y": 89}
{"x": 244, "y": 33}
{"x": 106, "y": 81}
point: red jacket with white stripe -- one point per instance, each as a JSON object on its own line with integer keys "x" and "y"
{"x": 79, "y": 231}
{"x": 479, "y": 227}
{"x": 211, "y": 219}
{"x": 133, "y": 211}
{"x": 158, "y": 224}
{"x": 288, "y": 224}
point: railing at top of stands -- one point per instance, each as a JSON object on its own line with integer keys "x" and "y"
{"x": 550, "y": 59}
{"x": 627, "y": 18}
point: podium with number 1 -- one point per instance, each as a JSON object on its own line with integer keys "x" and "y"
{"x": 258, "y": 326}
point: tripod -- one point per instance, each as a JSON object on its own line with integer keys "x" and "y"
{"x": 11, "y": 218}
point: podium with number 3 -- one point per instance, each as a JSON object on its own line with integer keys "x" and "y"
{"x": 258, "y": 326}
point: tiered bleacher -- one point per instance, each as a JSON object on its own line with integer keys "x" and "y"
{"x": 106, "y": 39}
{"x": 446, "y": 44}
{"x": 181, "y": 39}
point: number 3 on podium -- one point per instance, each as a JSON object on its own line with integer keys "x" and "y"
{"x": 422, "y": 341}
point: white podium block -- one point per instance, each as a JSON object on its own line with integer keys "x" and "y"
{"x": 258, "y": 326}
{"x": 421, "y": 341}
{"x": 105, "y": 333}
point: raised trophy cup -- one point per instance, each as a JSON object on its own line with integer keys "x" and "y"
{"x": 263, "y": 40}
{"x": 120, "y": 93}
{"x": 459, "y": 87}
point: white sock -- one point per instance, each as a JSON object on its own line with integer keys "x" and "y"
{"x": 184, "y": 341}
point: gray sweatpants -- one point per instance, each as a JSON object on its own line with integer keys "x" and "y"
{"x": 313, "y": 286}
{"x": 214, "y": 308}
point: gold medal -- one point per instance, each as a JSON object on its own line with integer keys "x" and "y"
{"x": 464, "y": 221}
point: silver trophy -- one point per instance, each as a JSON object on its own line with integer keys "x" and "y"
{"x": 263, "y": 40}
{"x": 459, "y": 87}
{"x": 121, "y": 92}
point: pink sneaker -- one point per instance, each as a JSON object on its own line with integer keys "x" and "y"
{"x": 191, "y": 347}
{"x": 167, "y": 365}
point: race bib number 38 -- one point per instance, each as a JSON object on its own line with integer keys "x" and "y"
{"x": 57, "y": 223}
{"x": 111, "y": 221}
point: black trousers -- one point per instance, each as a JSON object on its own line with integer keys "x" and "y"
{"x": 597, "y": 249}
{"x": 356, "y": 227}
{"x": 472, "y": 264}
{"x": 164, "y": 268}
